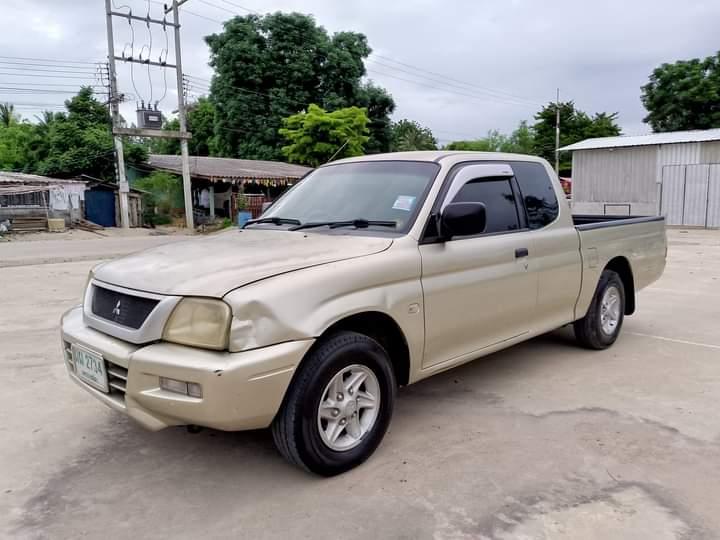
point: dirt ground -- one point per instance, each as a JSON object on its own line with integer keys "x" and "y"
{"x": 541, "y": 441}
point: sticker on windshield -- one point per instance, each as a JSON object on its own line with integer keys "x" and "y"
{"x": 404, "y": 202}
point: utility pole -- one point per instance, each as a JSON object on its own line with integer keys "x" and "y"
{"x": 185, "y": 156}
{"x": 557, "y": 133}
{"x": 115, "y": 99}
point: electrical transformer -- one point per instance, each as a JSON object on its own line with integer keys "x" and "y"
{"x": 149, "y": 118}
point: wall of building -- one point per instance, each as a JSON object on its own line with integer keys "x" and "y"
{"x": 615, "y": 181}
{"x": 628, "y": 180}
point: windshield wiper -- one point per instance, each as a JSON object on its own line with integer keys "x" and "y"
{"x": 357, "y": 223}
{"x": 273, "y": 220}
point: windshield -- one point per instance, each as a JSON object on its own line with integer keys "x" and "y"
{"x": 372, "y": 191}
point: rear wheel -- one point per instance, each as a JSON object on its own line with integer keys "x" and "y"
{"x": 339, "y": 405}
{"x": 601, "y": 325}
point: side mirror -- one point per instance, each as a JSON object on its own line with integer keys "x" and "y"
{"x": 462, "y": 219}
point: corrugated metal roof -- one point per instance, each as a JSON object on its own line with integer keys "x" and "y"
{"x": 214, "y": 168}
{"x": 8, "y": 177}
{"x": 672, "y": 137}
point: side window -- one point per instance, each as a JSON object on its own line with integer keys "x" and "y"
{"x": 497, "y": 195}
{"x": 537, "y": 192}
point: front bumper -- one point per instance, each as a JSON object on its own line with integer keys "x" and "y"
{"x": 240, "y": 390}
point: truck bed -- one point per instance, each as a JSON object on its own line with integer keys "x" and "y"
{"x": 587, "y": 222}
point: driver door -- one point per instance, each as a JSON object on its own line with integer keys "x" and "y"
{"x": 478, "y": 290}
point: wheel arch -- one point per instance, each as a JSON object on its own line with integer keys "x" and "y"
{"x": 621, "y": 266}
{"x": 385, "y": 330}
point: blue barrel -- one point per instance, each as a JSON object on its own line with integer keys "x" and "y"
{"x": 243, "y": 217}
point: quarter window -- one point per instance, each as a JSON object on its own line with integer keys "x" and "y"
{"x": 499, "y": 200}
{"x": 538, "y": 193}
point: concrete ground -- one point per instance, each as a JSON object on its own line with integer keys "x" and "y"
{"x": 544, "y": 440}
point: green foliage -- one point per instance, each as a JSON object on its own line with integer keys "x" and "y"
{"x": 201, "y": 122}
{"x": 407, "y": 135}
{"x": 575, "y": 126}
{"x": 8, "y": 116}
{"x": 520, "y": 141}
{"x": 16, "y": 144}
{"x": 379, "y": 105}
{"x": 684, "y": 95}
{"x": 270, "y": 67}
{"x": 164, "y": 196}
{"x": 65, "y": 144}
{"x": 316, "y": 136}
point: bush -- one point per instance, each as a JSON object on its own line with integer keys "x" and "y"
{"x": 164, "y": 193}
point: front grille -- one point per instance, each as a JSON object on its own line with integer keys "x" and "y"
{"x": 117, "y": 378}
{"x": 121, "y": 308}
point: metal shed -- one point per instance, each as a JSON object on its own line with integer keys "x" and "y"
{"x": 674, "y": 174}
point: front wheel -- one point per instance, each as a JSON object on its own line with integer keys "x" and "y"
{"x": 339, "y": 405}
{"x": 601, "y": 325}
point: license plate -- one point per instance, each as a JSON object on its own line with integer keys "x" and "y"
{"x": 90, "y": 367}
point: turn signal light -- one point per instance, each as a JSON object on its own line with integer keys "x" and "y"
{"x": 181, "y": 387}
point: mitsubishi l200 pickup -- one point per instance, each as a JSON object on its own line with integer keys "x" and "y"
{"x": 370, "y": 273}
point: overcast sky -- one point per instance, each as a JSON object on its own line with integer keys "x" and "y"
{"x": 501, "y": 59}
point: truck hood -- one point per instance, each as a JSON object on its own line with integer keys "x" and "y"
{"x": 213, "y": 266}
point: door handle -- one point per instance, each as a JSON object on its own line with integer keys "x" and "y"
{"x": 521, "y": 252}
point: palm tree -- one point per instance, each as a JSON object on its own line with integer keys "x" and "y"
{"x": 7, "y": 114}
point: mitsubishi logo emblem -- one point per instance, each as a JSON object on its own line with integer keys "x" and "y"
{"x": 116, "y": 309}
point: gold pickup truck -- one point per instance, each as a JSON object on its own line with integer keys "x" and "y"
{"x": 371, "y": 273}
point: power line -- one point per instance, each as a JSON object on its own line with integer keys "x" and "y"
{"x": 27, "y": 68}
{"x": 46, "y": 60}
{"x": 486, "y": 89}
{"x": 519, "y": 101}
{"x": 446, "y": 90}
{"x": 241, "y": 7}
{"x": 43, "y": 85}
{"x": 85, "y": 77}
{"x": 200, "y": 16}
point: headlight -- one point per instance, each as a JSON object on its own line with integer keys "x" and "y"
{"x": 199, "y": 322}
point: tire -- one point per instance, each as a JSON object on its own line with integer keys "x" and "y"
{"x": 304, "y": 437}
{"x": 596, "y": 330}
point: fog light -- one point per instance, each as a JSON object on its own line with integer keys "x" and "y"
{"x": 181, "y": 387}
{"x": 194, "y": 390}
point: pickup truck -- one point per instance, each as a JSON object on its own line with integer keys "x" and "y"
{"x": 369, "y": 274}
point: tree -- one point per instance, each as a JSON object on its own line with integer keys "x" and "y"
{"x": 520, "y": 141}
{"x": 164, "y": 195}
{"x": 409, "y": 135}
{"x": 493, "y": 142}
{"x": 270, "y": 67}
{"x": 684, "y": 95}
{"x": 317, "y": 136}
{"x": 80, "y": 141}
{"x": 575, "y": 126}
{"x": 8, "y": 115}
{"x": 379, "y": 105}
{"x": 16, "y": 143}
{"x": 200, "y": 122}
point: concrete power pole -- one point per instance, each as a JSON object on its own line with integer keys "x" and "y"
{"x": 557, "y": 133}
{"x": 185, "y": 156}
{"x": 115, "y": 99}
{"x": 115, "y": 113}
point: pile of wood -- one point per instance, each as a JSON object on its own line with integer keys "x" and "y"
{"x": 86, "y": 225}
{"x": 29, "y": 224}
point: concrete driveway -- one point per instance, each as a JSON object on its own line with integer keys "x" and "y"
{"x": 544, "y": 440}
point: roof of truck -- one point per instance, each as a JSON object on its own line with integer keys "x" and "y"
{"x": 440, "y": 155}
